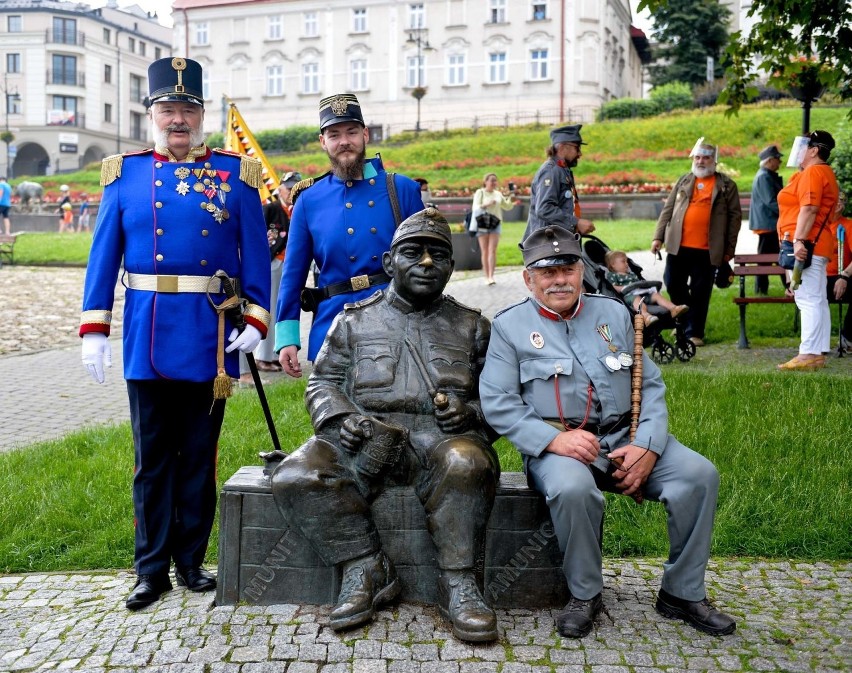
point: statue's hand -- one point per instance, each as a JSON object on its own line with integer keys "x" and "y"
{"x": 457, "y": 416}
{"x": 354, "y": 430}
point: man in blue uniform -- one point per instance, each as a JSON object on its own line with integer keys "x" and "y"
{"x": 344, "y": 222}
{"x": 553, "y": 193}
{"x": 557, "y": 384}
{"x": 175, "y": 216}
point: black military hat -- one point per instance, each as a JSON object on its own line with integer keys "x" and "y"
{"x": 428, "y": 223}
{"x": 291, "y": 178}
{"x": 566, "y": 134}
{"x": 175, "y": 79}
{"x": 341, "y": 107}
{"x": 770, "y": 152}
{"x": 550, "y": 246}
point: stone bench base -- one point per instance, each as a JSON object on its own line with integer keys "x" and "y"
{"x": 262, "y": 560}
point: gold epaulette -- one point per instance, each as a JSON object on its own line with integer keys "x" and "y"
{"x": 302, "y": 185}
{"x": 111, "y": 169}
{"x": 251, "y": 171}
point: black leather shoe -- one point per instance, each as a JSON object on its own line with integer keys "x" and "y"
{"x": 578, "y": 617}
{"x": 147, "y": 590}
{"x": 367, "y": 582}
{"x": 700, "y": 614}
{"x": 461, "y": 604}
{"x": 195, "y": 579}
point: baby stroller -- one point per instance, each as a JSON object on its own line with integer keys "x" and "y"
{"x": 662, "y": 352}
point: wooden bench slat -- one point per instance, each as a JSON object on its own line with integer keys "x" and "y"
{"x": 755, "y": 265}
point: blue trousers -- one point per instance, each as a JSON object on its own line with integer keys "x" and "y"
{"x": 684, "y": 481}
{"x": 175, "y": 435}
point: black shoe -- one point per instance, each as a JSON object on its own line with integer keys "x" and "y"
{"x": 700, "y": 614}
{"x": 577, "y": 618}
{"x": 367, "y": 582}
{"x": 195, "y": 579}
{"x": 461, "y": 604}
{"x": 147, "y": 590}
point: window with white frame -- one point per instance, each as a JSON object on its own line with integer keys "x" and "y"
{"x": 108, "y": 112}
{"x": 415, "y": 73}
{"x": 538, "y": 64}
{"x": 274, "y": 27}
{"x": 205, "y": 84}
{"x": 497, "y": 67}
{"x": 416, "y": 15}
{"x": 275, "y": 80}
{"x": 202, "y": 33}
{"x": 13, "y": 103}
{"x": 14, "y": 23}
{"x": 358, "y": 74}
{"x": 143, "y": 48}
{"x": 13, "y": 63}
{"x": 359, "y": 20}
{"x": 497, "y": 11}
{"x": 310, "y": 78}
{"x": 456, "y": 72}
{"x": 310, "y": 24}
{"x": 539, "y": 10}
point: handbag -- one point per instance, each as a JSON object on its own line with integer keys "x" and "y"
{"x": 487, "y": 221}
{"x": 786, "y": 260}
{"x": 724, "y": 276}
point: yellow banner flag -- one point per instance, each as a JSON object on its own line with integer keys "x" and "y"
{"x": 238, "y": 138}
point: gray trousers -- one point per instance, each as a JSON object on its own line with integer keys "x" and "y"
{"x": 684, "y": 481}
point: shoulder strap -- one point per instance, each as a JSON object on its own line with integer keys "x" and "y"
{"x": 397, "y": 214}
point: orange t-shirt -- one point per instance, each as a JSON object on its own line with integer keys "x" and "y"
{"x": 696, "y": 219}
{"x": 814, "y": 186}
{"x": 832, "y": 269}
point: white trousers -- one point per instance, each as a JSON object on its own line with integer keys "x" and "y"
{"x": 812, "y": 300}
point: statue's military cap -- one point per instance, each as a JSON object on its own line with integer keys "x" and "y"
{"x": 175, "y": 79}
{"x": 427, "y": 223}
{"x": 550, "y": 246}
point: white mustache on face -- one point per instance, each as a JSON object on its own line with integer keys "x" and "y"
{"x": 570, "y": 289}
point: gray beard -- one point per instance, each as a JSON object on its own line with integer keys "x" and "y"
{"x": 353, "y": 170}
{"x": 703, "y": 171}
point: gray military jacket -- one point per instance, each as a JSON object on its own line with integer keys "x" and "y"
{"x": 531, "y": 346}
{"x": 552, "y": 198}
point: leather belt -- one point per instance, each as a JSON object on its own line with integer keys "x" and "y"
{"x": 353, "y": 284}
{"x": 173, "y": 284}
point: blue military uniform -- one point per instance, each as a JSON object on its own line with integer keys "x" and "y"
{"x": 530, "y": 348}
{"x": 345, "y": 226}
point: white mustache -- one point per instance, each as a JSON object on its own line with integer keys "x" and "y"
{"x": 570, "y": 289}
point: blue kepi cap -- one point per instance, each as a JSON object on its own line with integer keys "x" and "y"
{"x": 175, "y": 79}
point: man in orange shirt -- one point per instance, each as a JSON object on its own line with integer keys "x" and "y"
{"x": 840, "y": 276}
{"x": 699, "y": 226}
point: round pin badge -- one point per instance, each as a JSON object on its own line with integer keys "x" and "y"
{"x": 625, "y": 359}
{"x": 537, "y": 340}
{"x": 612, "y": 362}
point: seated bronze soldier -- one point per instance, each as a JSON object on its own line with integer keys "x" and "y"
{"x": 394, "y": 399}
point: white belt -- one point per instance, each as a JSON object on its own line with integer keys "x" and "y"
{"x": 173, "y": 284}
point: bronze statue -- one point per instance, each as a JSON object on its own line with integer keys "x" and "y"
{"x": 394, "y": 399}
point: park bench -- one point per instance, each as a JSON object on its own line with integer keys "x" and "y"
{"x": 7, "y": 248}
{"x": 597, "y": 209}
{"x": 262, "y": 560}
{"x": 751, "y": 266}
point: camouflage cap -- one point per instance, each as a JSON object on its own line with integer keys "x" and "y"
{"x": 550, "y": 246}
{"x": 428, "y": 223}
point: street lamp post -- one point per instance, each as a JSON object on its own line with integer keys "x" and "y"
{"x": 7, "y": 135}
{"x": 417, "y": 37}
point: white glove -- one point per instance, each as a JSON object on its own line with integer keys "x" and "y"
{"x": 97, "y": 354}
{"x": 246, "y": 341}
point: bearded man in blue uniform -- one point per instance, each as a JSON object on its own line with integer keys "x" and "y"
{"x": 557, "y": 384}
{"x": 175, "y": 216}
{"x": 343, "y": 221}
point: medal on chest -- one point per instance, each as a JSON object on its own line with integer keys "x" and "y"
{"x": 211, "y": 184}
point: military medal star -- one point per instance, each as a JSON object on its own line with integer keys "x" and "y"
{"x": 182, "y": 188}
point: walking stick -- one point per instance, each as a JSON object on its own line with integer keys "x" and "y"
{"x": 636, "y": 381}
{"x": 841, "y": 239}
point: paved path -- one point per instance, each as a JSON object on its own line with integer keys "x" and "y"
{"x": 791, "y": 616}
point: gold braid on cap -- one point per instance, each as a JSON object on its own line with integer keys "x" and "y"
{"x": 251, "y": 171}
{"x": 111, "y": 169}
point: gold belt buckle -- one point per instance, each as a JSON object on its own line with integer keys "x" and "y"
{"x": 360, "y": 282}
{"x": 167, "y": 283}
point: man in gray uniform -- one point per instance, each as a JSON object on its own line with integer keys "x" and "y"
{"x": 553, "y": 194}
{"x": 393, "y": 398}
{"x": 556, "y": 383}
{"x": 763, "y": 212}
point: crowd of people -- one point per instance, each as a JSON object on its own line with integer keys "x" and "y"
{"x": 407, "y": 385}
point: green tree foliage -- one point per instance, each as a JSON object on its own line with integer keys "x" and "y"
{"x": 841, "y": 160}
{"x": 783, "y": 32}
{"x": 673, "y": 96}
{"x": 687, "y": 32}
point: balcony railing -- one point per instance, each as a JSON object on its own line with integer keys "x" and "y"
{"x": 66, "y": 77}
{"x": 74, "y": 37}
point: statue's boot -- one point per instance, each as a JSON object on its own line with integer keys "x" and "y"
{"x": 368, "y": 582}
{"x": 462, "y": 605}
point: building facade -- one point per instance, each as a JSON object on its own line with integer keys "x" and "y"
{"x": 74, "y": 80}
{"x": 431, "y": 64}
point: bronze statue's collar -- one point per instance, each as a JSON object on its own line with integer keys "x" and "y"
{"x": 405, "y": 306}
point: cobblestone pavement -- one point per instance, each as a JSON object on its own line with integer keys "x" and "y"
{"x": 791, "y": 617}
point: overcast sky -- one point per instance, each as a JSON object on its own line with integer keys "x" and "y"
{"x": 164, "y": 11}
